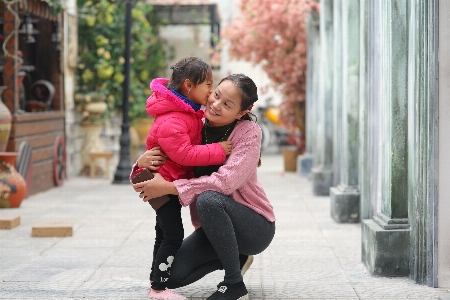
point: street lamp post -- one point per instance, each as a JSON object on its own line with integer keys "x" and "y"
{"x": 124, "y": 166}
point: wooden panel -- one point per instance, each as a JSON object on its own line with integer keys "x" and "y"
{"x": 32, "y": 128}
{"x": 38, "y": 116}
{"x": 35, "y": 141}
{"x": 42, "y": 154}
{"x": 42, "y": 177}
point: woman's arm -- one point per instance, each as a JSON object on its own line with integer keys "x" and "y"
{"x": 152, "y": 159}
{"x": 156, "y": 187}
{"x": 241, "y": 164}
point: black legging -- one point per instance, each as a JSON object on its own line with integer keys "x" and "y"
{"x": 169, "y": 236}
{"x": 228, "y": 228}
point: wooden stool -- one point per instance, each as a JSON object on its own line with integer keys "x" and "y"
{"x": 93, "y": 156}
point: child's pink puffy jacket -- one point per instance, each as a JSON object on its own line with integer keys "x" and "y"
{"x": 177, "y": 129}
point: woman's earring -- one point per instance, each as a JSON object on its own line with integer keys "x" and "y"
{"x": 189, "y": 91}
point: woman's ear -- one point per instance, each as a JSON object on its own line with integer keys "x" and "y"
{"x": 241, "y": 114}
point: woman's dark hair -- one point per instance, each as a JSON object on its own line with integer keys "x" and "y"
{"x": 193, "y": 68}
{"x": 247, "y": 90}
{"x": 249, "y": 95}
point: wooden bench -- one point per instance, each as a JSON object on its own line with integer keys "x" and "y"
{"x": 93, "y": 156}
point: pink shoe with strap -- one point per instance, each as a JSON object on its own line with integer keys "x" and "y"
{"x": 165, "y": 295}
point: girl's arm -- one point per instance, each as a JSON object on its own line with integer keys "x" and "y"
{"x": 174, "y": 140}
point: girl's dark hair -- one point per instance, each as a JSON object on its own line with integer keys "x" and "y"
{"x": 248, "y": 92}
{"x": 193, "y": 68}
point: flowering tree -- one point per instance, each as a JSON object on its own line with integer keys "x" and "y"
{"x": 272, "y": 33}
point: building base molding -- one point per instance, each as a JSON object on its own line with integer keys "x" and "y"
{"x": 345, "y": 206}
{"x": 385, "y": 252}
{"x": 304, "y": 164}
{"x": 322, "y": 180}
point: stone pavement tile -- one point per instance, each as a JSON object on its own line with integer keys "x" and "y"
{"x": 79, "y": 242}
{"x": 109, "y": 256}
{"x": 204, "y": 287}
{"x": 308, "y": 290}
{"x": 136, "y": 258}
{"x": 351, "y": 264}
{"x": 30, "y": 290}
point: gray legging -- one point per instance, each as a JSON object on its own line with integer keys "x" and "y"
{"x": 228, "y": 228}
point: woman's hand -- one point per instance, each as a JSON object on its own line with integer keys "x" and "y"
{"x": 154, "y": 188}
{"x": 227, "y": 146}
{"x": 152, "y": 159}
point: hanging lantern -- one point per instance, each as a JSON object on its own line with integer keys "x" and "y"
{"x": 27, "y": 29}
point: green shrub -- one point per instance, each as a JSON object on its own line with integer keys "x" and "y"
{"x": 101, "y": 37}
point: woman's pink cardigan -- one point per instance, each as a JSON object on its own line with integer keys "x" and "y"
{"x": 236, "y": 178}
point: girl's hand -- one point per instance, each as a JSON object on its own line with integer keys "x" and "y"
{"x": 152, "y": 159}
{"x": 154, "y": 188}
{"x": 227, "y": 146}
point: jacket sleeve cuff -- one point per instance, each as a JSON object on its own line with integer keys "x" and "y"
{"x": 135, "y": 170}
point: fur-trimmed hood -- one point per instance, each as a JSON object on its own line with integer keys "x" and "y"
{"x": 163, "y": 100}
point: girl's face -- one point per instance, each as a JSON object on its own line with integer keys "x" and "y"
{"x": 224, "y": 105}
{"x": 199, "y": 94}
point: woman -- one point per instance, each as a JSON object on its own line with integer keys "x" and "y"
{"x": 229, "y": 208}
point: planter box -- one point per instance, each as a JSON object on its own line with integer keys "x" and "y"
{"x": 290, "y": 158}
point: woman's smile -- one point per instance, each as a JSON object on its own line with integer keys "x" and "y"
{"x": 212, "y": 111}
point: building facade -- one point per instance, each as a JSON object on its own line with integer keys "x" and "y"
{"x": 377, "y": 115}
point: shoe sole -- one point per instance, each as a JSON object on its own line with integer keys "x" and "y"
{"x": 245, "y": 297}
{"x": 246, "y": 266}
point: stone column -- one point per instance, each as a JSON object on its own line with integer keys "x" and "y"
{"x": 423, "y": 139}
{"x": 337, "y": 91}
{"x": 345, "y": 196}
{"x": 443, "y": 255}
{"x": 322, "y": 173}
{"x": 385, "y": 238}
{"x": 305, "y": 161}
{"x": 365, "y": 21}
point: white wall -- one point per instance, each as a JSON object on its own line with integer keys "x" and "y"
{"x": 444, "y": 147}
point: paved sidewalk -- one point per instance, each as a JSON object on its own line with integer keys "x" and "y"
{"x": 109, "y": 254}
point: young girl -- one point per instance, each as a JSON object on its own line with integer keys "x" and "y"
{"x": 229, "y": 208}
{"x": 177, "y": 129}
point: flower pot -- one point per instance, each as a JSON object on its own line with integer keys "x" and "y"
{"x": 5, "y": 122}
{"x": 142, "y": 127}
{"x": 290, "y": 155}
{"x": 12, "y": 184}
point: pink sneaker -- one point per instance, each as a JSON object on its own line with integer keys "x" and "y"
{"x": 165, "y": 295}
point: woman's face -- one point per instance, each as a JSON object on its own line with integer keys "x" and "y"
{"x": 224, "y": 105}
